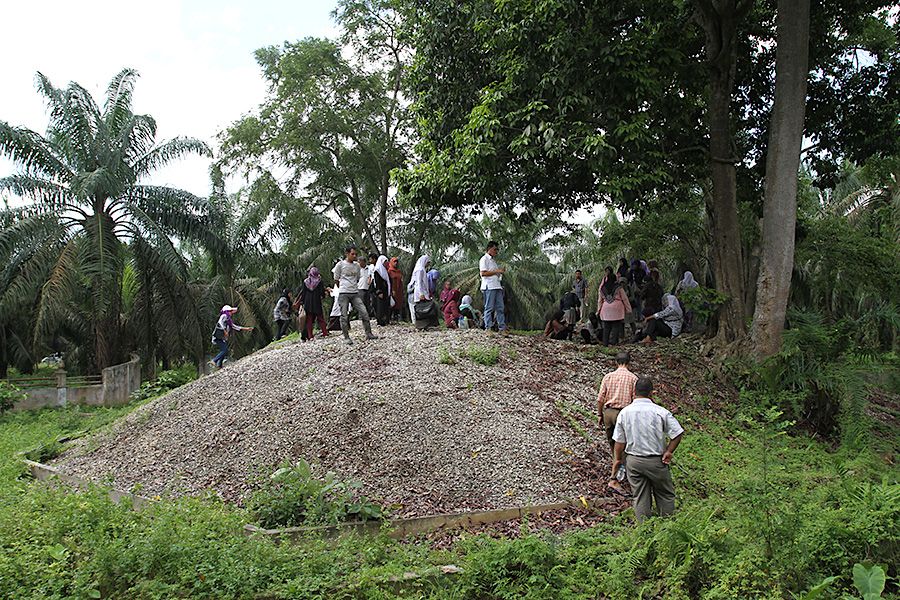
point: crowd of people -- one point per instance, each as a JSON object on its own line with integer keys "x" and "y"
{"x": 373, "y": 285}
{"x": 631, "y": 302}
{"x": 628, "y": 298}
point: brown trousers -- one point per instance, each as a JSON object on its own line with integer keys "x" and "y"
{"x": 609, "y": 423}
{"x": 649, "y": 479}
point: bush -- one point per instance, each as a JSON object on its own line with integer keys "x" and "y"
{"x": 165, "y": 381}
{"x": 821, "y": 379}
{"x": 9, "y": 395}
{"x": 291, "y": 497}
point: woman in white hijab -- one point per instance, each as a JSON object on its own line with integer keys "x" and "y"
{"x": 424, "y": 309}
{"x": 419, "y": 281}
{"x": 381, "y": 282}
{"x": 686, "y": 283}
{"x": 665, "y": 323}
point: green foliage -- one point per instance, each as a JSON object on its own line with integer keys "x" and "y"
{"x": 9, "y": 395}
{"x": 819, "y": 378}
{"x": 445, "y": 357}
{"x": 849, "y": 274}
{"x": 89, "y": 216}
{"x": 702, "y": 301}
{"x": 869, "y": 580}
{"x": 487, "y": 356}
{"x": 528, "y": 568}
{"x": 292, "y": 496}
{"x": 165, "y": 381}
{"x": 831, "y": 510}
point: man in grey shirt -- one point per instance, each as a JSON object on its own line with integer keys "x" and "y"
{"x": 346, "y": 280}
{"x": 642, "y": 429}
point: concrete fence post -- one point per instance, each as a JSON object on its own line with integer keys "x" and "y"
{"x": 61, "y": 391}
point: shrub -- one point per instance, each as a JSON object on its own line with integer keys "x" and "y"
{"x": 291, "y": 497}
{"x": 165, "y": 381}
{"x": 703, "y": 302}
{"x": 9, "y": 395}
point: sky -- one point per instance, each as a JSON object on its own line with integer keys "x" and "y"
{"x": 195, "y": 59}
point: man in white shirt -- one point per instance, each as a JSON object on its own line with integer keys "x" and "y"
{"x": 346, "y": 279}
{"x": 492, "y": 288}
{"x": 641, "y": 432}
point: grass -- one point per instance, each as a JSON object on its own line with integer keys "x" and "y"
{"x": 487, "y": 356}
{"x": 445, "y": 357}
{"x": 761, "y": 514}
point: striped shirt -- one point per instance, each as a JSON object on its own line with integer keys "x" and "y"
{"x": 617, "y": 389}
{"x": 643, "y": 427}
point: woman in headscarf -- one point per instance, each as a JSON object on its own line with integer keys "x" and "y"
{"x": 423, "y": 284}
{"x": 557, "y": 328}
{"x": 381, "y": 282}
{"x": 334, "y": 317}
{"x": 396, "y": 278}
{"x": 471, "y": 316}
{"x": 665, "y": 323}
{"x": 612, "y": 307}
{"x": 222, "y": 333}
{"x": 623, "y": 268}
{"x": 450, "y": 299}
{"x": 311, "y": 294}
{"x": 687, "y": 283}
{"x": 433, "y": 276}
{"x": 651, "y": 295}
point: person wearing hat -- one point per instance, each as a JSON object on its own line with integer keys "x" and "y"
{"x": 224, "y": 326}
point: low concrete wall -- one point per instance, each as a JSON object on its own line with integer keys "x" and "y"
{"x": 400, "y": 528}
{"x": 39, "y": 397}
{"x": 90, "y": 395}
{"x": 118, "y": 382}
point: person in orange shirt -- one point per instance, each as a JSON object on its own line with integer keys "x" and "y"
{"x": 616, "y": 392}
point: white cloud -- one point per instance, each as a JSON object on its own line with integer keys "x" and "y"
{"x": 195, "y": 57}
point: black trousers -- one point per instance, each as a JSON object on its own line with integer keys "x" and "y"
{"x": 656, "y": 328}
{"x": 281, "y": 328}
{"x": 613, "y": 331}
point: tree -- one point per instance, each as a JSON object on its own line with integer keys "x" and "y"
{"x": 84, "y": 178}
{"x": 336, "y": 125}
{"x": 530, "y": 282}
{"x": 558, "y": 104}
{"x": 782, "y": 165}
{"x": 721, "y": 22}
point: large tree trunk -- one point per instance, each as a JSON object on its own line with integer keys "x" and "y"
{"x": 720, "y": 21}
{"x": 782, "y": 163}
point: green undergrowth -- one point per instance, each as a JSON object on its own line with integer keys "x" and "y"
{"x": 762, "y": 514}
{"x": 292, "y": 496}
{"x": 165, "y": 381}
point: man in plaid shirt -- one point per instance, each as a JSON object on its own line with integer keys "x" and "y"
{"x": 616, "y": 392}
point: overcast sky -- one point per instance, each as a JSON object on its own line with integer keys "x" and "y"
{"x": 195, "y": 58}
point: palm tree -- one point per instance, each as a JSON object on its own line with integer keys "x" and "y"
{"x": 531, "y": 279}
{"x": 84, "y": 179}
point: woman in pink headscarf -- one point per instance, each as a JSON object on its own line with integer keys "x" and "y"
{"x": 221, "y": 334}
{"x": 311, "y": 295}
